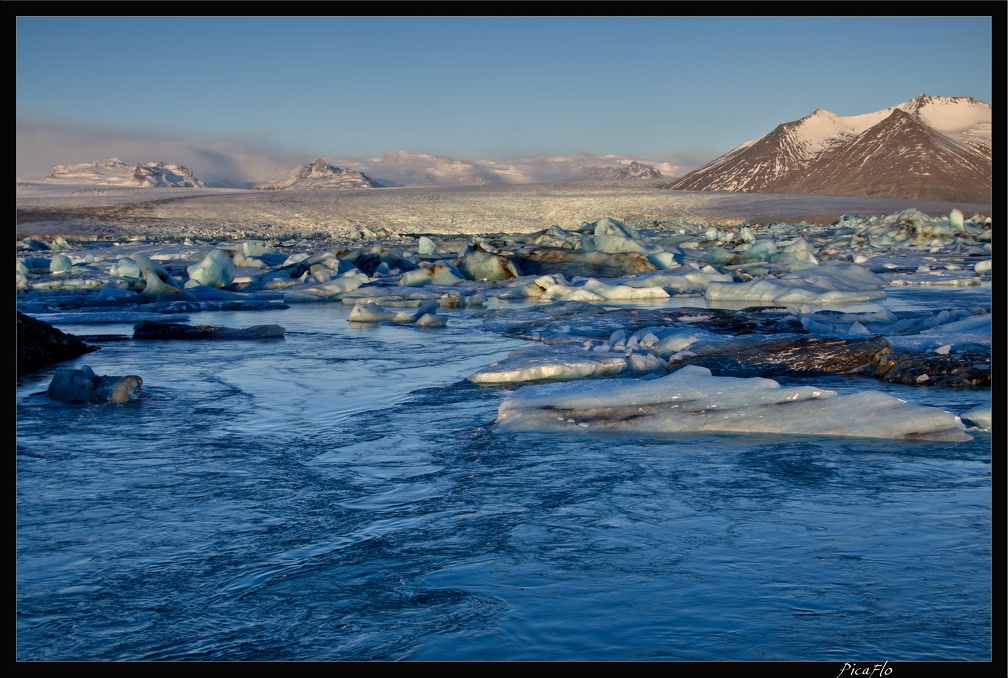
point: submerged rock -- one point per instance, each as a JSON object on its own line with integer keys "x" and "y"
{"x": 149, "y": 329}
{"x": 83, "y": 385}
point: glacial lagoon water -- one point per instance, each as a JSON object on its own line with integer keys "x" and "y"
{"x": 342, "y": 494}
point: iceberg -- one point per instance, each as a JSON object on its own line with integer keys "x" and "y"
{"x": 692, "y": 400}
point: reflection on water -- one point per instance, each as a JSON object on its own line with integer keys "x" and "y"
{"x": 342, "y": 494}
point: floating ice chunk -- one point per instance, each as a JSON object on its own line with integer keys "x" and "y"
{"x": 564, "y": 364}
{"x": 319, "y": 277}
{"x": 430, "y": 320}
{"x": 829, "y": 283}
{"x": 799, "y": 250}
{"x": 956, "y": 219}
{"x": 760, "y": 250}
{"x": 568, "y": 293}
{"x": 686, "y": 280}
{"x": 692, "y": 400}
{"x": 216, "y": 269}
{"x": 665, "y": 260}
{"x": 615, "y": 244}
{"x": 844, "y": 323}
{"x": 157, "y": 278}
{"x": 595, "y": 290}
{"x": 979, "y": 416}
{"x": 329, "y": 291}
{"x": 617, "y": 341}
{"x": 979, "y": 325}
{"x": 624, "y": 292}
{"x": 252, "y": 248}
{"x": 60, "y": 263}
{"x": 434, "y": 274}
{"x": 554, "y": 236}
{"x": 371, "y": 312}
{"x": 717, "y": 256}
{"x": 295, "y": 259}
{"x": 610, "y": 226}
{"x": 35, "y": 264}
{"x": 478, "y": 264}
{"x": 203, "y": 293}
{"x": 125, "y": 268}
{"x": 982, "y": 267}
{"x": 425, "y": 245}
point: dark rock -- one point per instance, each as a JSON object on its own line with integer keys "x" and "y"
{"x": 83, "y": 385}
{"x": 148, "y": 329}
{"x": 871, "y": 357}
{"x": 957, "y": 368}
{"x": 803, "y": 356}
{"x": 40, "y": 344}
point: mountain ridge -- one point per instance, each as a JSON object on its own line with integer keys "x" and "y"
{"x": 929, "y": 148}
{"x": 114, "y": 172}
{"x": 321, "y": 175}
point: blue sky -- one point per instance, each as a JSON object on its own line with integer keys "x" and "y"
{"x": 245, "y": 91}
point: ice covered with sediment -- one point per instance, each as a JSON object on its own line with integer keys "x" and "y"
{"x": 693, "y": 400}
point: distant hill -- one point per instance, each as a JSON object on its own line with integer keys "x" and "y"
{"x": 929, "y": 148}
{"x": 406, "y": 168}
{"x": 635, "y": 170}
{"x": 321, "y": 175}
{"x": 114, "y": 172}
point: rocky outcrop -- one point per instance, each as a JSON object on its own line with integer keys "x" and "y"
{"x": 321, "y": 175}
{"x": 40, "y": 344}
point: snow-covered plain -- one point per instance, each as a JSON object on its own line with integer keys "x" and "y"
{"x": 519, "y": 254}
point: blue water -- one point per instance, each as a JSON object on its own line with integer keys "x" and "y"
{"x": 342, "y": 494}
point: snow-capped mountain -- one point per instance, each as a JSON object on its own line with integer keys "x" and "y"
{"x": 114, "y": 172}
{"x": 634, "y": 170}
{"x": 321, "y": 175}
{"x": 929, "y": 148}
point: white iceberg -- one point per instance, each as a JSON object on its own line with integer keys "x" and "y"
{"x": 692, "y": 400}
